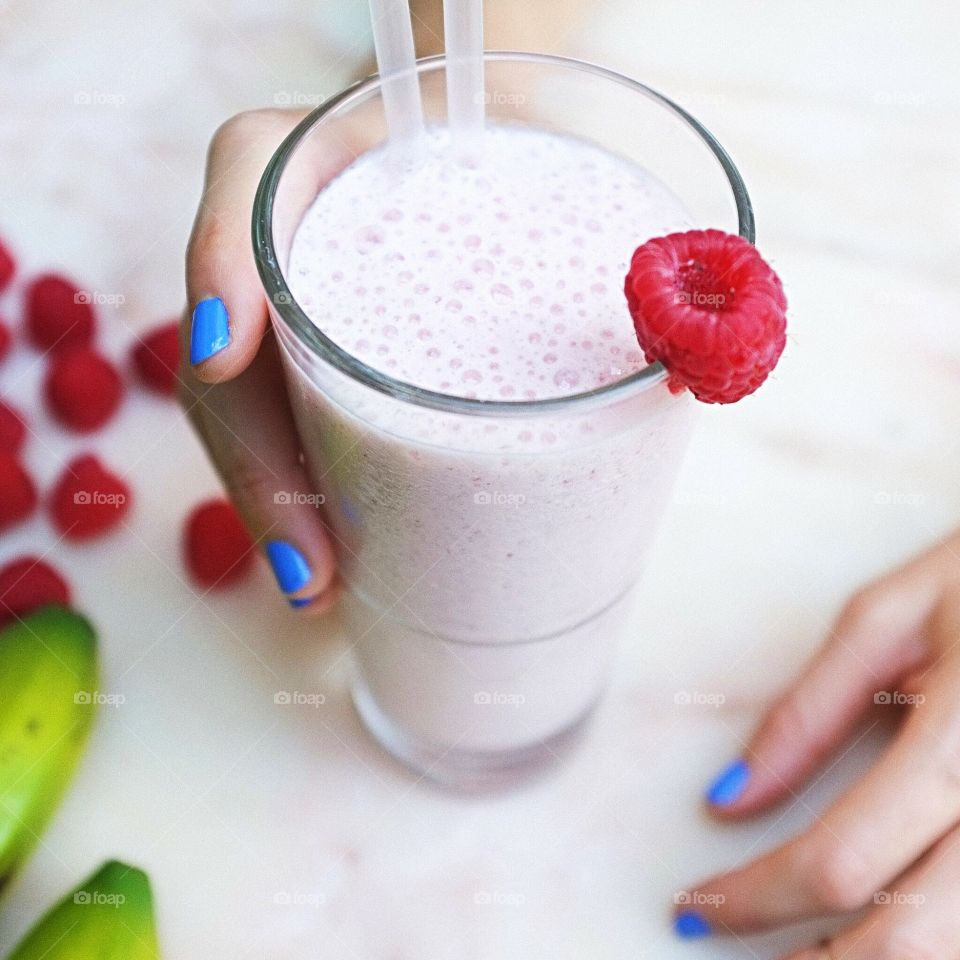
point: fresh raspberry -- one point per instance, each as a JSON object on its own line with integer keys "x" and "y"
{"x": 711, "y": 309}
{"x": 217, "y": 547}
{"x": 28, "y": 583}
{"x": 13, "y": 429}
{"x": 88, "y": 500}
{"x": 6, "y": 340}
{"x": 59, "y": 314}
{"x": 18, "y": 494}
{"x": 83, "y": 389}
{"x": 8, "y": 266}
{"x": 157, "y": 358}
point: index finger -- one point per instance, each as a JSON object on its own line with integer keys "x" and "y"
{"x": 870, "y": 835}
{"x": 877, "y": 639}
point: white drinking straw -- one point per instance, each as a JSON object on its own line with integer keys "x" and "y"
{"x": 396, "y": 64}
{"x": 463, "y": 38}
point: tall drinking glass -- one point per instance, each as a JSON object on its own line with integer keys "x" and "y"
{"x": 489, "y": 548}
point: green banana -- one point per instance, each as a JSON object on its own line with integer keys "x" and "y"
{"x": 108, "y": 917}
{"x": 48, "y": 694}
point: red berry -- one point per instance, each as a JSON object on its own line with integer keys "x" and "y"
{"x": 28, "y": 583}
{"x": 711, "y": 309}
{"x": 59, "y": 314}
{"x": 6, "y": 340}
{"x": 13, "y": 429}
{"x": 18, "y": 495}
{"x": 157, "y": 358}
{"x": 8, "y": 266}
{"x": 88, "y": 499}
{"x": 218, "y": 548}
{"x": 83, "y": 389}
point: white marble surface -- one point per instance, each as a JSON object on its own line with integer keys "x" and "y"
{"x": 843, "y": 119}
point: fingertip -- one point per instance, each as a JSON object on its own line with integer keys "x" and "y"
{"x": 290, "y": 566}
{"x": 220, "y": 347}
{"x": 691, "y": 925}
{"x": 306, "y": 578}
{"x": 729, "y": 786}
{"x": 209, "y": 330}
{"x": 299, "y": 602}
{"x": 316, "y": 604}
{"x": 212, "y": 371}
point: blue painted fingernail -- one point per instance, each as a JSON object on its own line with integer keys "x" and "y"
{"x": 691, "y": 925}
{"x": 299, "y": 602}
{"x": 210, "y": 331}
{"x": 289, "y": 566}
{"x": 730, "y": 784}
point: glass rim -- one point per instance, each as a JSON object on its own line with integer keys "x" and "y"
{"x": 320, "y": 345}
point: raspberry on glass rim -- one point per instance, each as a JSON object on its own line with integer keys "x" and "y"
{"x": 709, "y": 308}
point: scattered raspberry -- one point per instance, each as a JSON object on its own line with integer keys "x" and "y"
{"x": 6, "y": 340}
{"x": 8, "y": 266}
{"x": 218, "y": 548}
{"x": 28, "y": 583}
{"x": 18, "y": 494}
{"x": 13, "y": 429}
{"x": 157, "y": 358}
{"x": 88, "y": 499}
{"x": 711, "y": 309}
{"x": 83, "y": 389}
{"x": 59, "y": 314}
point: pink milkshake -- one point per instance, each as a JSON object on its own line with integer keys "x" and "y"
{"x": 493, "y": 274}
{"x": 487, "y": 563}
{"x": 494, "y": 452}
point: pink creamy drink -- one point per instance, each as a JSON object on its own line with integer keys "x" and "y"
{"x": 489, "y": 553}
{"x": 496, "y": 274}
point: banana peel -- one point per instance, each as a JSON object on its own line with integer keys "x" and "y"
{"x": 109, "y": 917}
{"x": 48, "y": 696}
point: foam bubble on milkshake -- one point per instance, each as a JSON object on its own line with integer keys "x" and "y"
{"x": 496, "y": 276}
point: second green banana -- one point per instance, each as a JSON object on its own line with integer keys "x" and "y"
{"x": 48, "y": 695}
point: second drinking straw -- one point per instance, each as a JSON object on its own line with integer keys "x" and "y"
{"x": 396, "y": 63}
{"x": 463, "y": 38}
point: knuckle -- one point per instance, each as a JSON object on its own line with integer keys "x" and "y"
{"x": 239, "y": 128}
{"x": 212, "y": 253}
{"x": 229, "y": 131}
{"x": 211, "y": 236}
{"x": 861, "y": 607}
{"x": 206, "y": 245}
{"x": 789, "y": 721}
{"x": 838, "y": 877}
{"x": 250, "y": 485}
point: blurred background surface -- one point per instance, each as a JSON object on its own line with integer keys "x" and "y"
{"x": 281, "y": 831}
